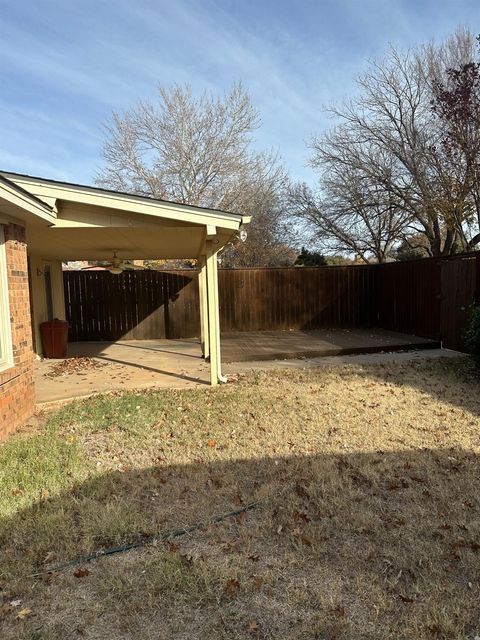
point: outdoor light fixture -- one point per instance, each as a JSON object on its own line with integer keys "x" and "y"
{"x": 243, "y": 235}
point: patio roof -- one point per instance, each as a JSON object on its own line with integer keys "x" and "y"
{"x": 66, "y": 222}
{"x": 81, "y": 222}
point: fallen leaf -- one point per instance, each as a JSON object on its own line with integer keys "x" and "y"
{"x": 47, "y": 577}
{"x": 50, "y": 557}
{"x": 301, "y": 516}
{"x": 211, "y": 443}
{"x": 240, "y": 517}
{"x": 258, "y": 583}
{"x": 406, "y": 598}
{"x": 24, "y": 613}
{"x": 253, "y": 626}
{"x": 301, "y": 491}
{"x": 81, "y": 572}
{"x": 232, "y": 586}
{"x": 74, "y": 365}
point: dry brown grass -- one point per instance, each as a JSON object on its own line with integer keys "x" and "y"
{"x": 369, "y": 524}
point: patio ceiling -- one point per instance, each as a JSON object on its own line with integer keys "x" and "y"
{"x": 153, "y": 242}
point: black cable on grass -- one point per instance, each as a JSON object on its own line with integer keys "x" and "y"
{"x": 158, "y": 537}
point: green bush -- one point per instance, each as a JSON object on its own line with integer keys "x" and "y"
{"x": 472, "y": 335}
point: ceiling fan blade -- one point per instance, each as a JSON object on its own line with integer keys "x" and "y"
{"x": 99, "y": 265}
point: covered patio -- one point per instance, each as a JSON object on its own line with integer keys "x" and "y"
{"x": 141, "y": 364}
{"x": 87, "y": 223}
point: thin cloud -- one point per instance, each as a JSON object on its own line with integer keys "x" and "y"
{"x": 67, "y": 66}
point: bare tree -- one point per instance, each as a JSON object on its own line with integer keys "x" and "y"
{"x": 352, "y": 214}
{"x": 199, "y": 151}
{"x": 271, "y": 233}
{"x": 384, "y": 174}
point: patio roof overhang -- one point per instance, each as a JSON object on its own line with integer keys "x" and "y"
{"x": 67, "y": 222}
{"x": 78, "y": 222}
{"x": 16, "y": 204}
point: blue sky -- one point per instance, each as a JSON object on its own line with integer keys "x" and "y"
{"x": 67, "y": 65}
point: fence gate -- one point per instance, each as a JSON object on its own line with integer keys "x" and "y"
{"x": 459, "y": 283}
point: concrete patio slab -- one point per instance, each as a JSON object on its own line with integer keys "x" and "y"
{"x": 178, "y": 363}
{"x": 280, "y": 345}
{"x": 128, "y": 365}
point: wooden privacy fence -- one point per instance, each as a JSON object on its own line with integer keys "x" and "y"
{"x": 135, "y": 305}
{"x": 408, "y": 296}
{"x": 295, "y": 298}
{"x": 428, "y": 298}
{"x": 141, "y": 305}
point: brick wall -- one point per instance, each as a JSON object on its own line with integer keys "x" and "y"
{"x": 17, "y": 396}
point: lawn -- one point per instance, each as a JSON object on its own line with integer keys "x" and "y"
{"x": 367, "y": 523}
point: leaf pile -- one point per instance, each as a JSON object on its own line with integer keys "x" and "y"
{"x": 74, "y": 365}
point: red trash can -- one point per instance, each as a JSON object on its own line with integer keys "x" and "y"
{"x": 54, "y": 338}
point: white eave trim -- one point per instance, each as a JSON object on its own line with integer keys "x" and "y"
{"x": 127, "y": 203}
{"x": 27, "y": 202}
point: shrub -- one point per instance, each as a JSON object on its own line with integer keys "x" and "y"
{"x": 472, "y": 335}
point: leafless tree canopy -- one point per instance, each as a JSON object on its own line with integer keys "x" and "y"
{"x": 199, "y": 151}
{"x": 384, "y": 174}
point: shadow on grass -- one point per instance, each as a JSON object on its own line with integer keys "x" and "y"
{"x": 454, "y": 381}
{"x": 370, "y": 545}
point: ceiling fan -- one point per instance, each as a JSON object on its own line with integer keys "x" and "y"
{"x": 118, "y": 265}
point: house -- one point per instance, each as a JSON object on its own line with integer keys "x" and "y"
{"x": 45, "y": 222}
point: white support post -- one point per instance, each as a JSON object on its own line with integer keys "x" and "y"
{"x": 202, "y": 291}
{"x": 221, "y": 378}
{"x": 213, "y": 314}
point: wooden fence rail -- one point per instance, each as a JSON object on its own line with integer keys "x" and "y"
{"x": 428, "y": 298}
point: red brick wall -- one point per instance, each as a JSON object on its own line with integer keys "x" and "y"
{"x": 17, "y": 396}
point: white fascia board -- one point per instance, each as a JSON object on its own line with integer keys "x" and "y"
{"x": 26, "y": 202}
{"x": 128, "y": 203}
